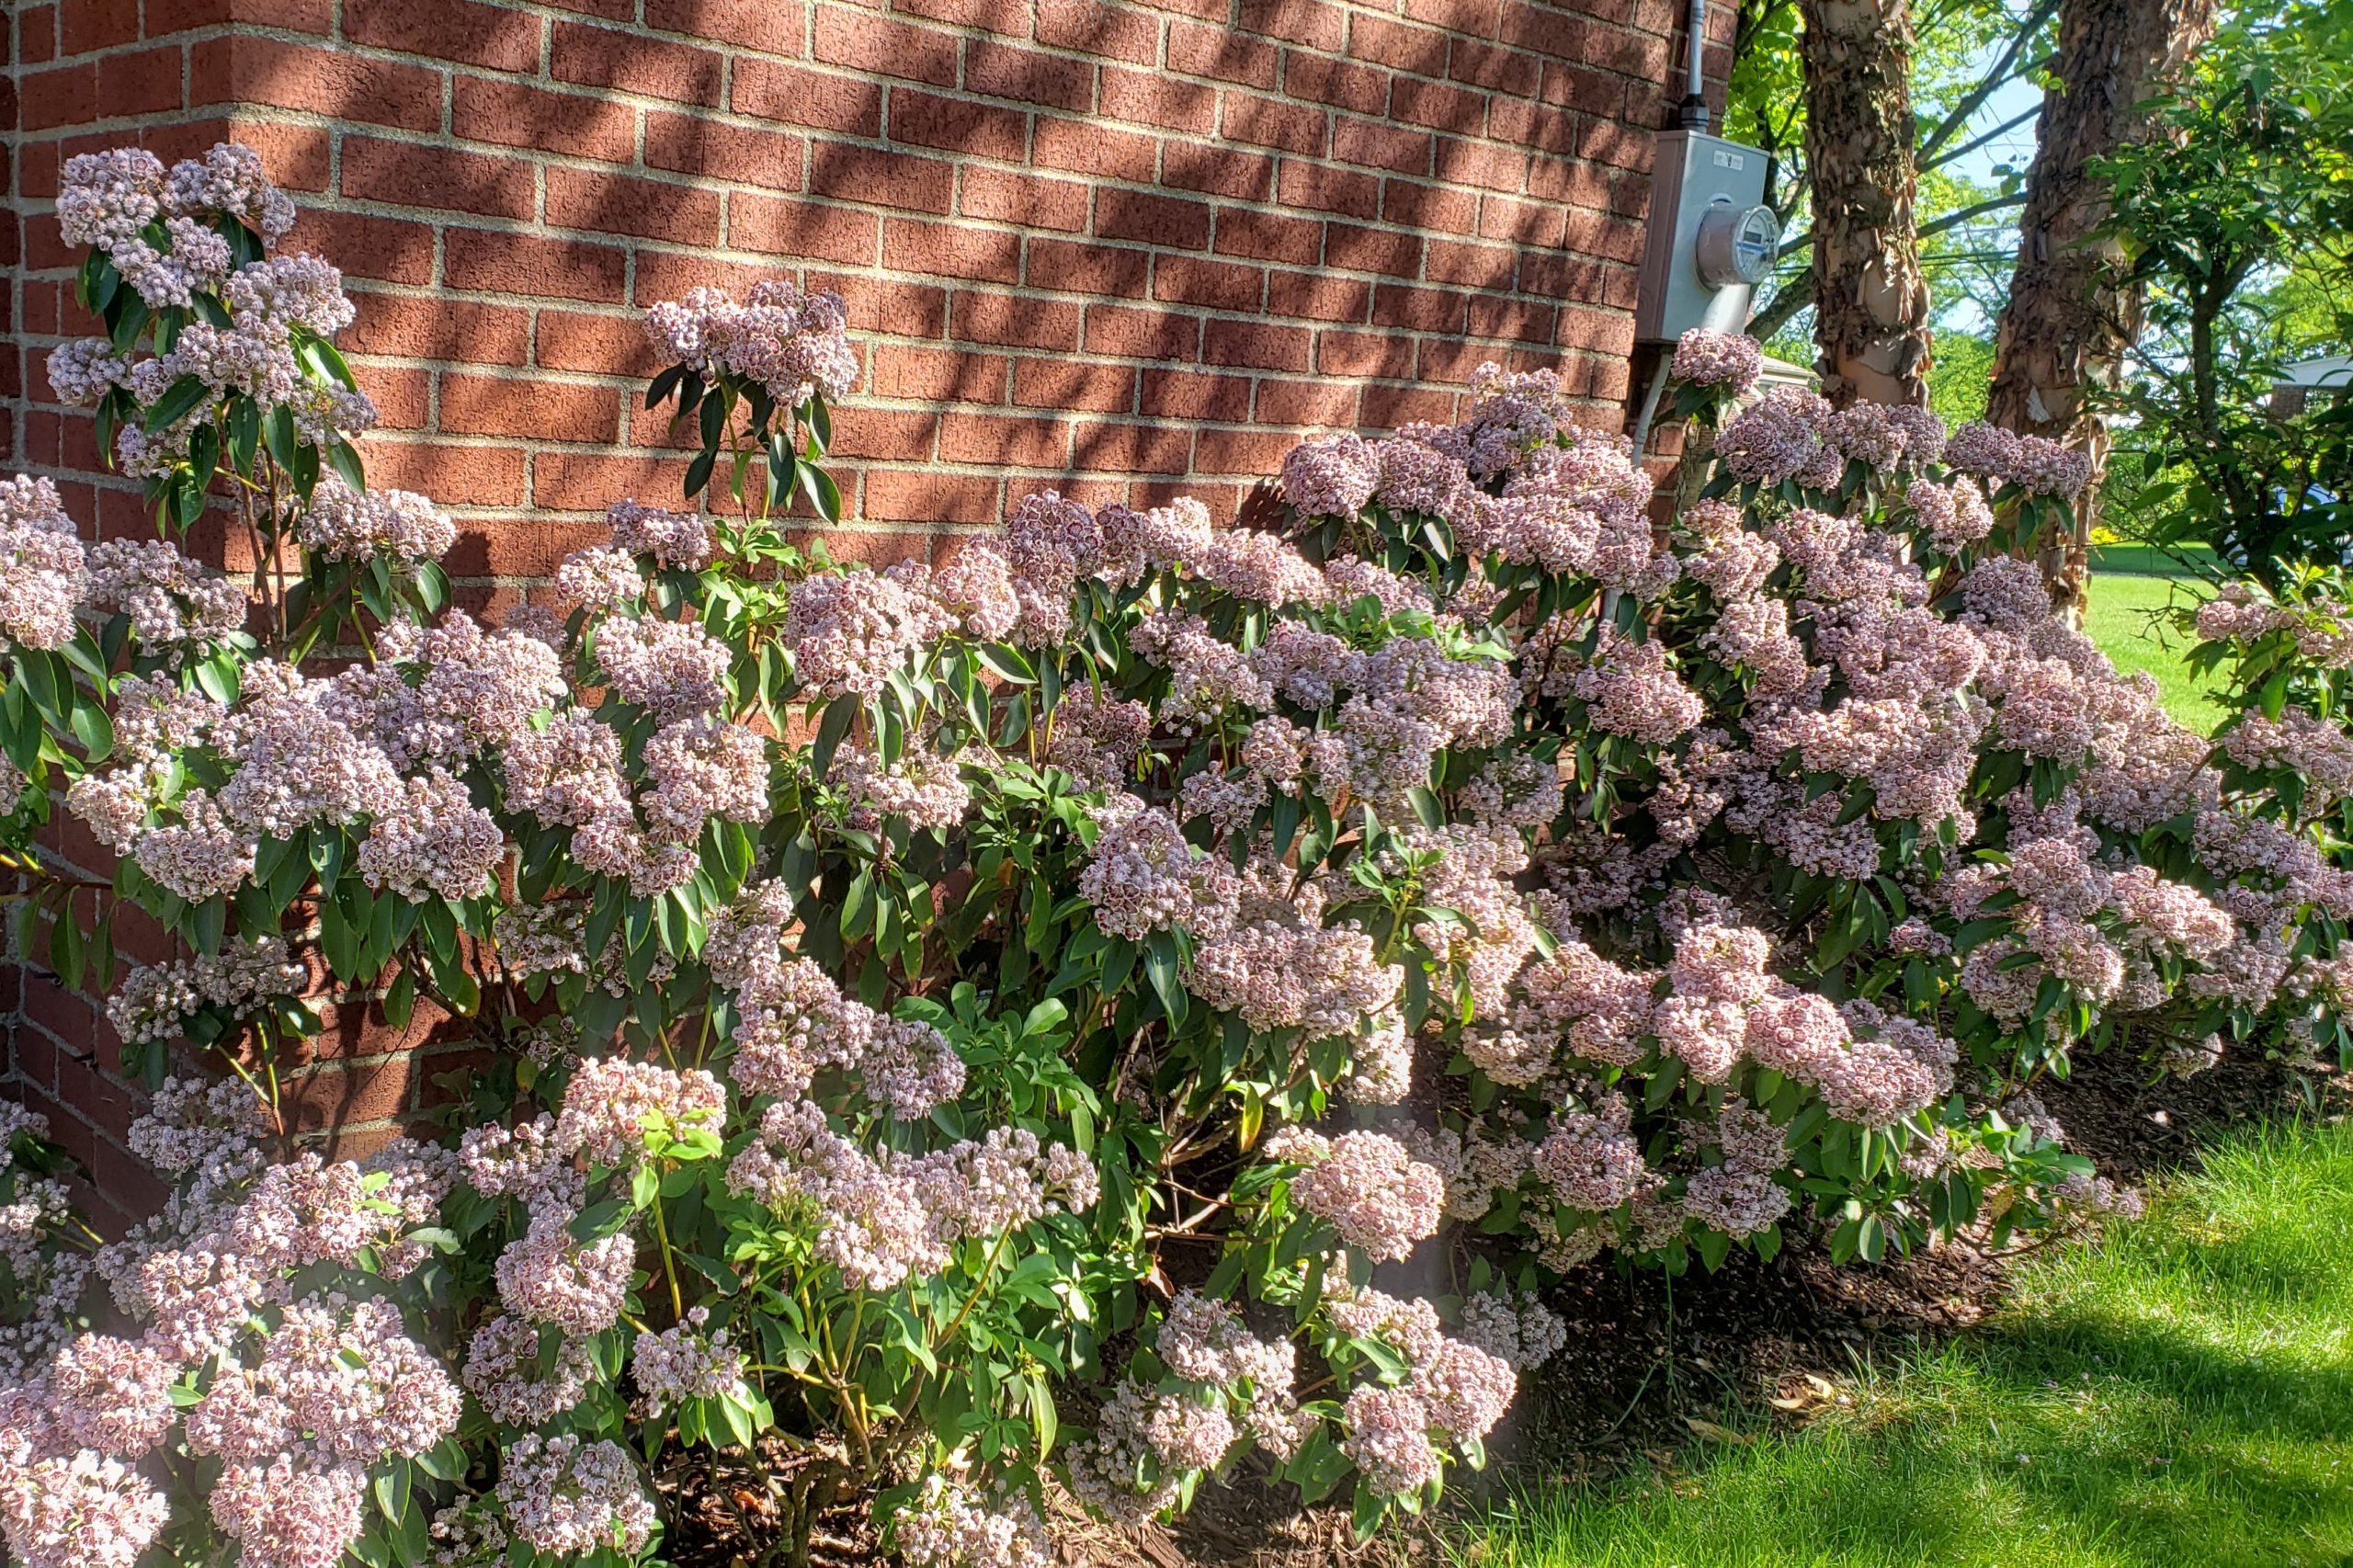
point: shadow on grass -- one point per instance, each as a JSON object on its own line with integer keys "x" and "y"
{"x": 2178, "y": 1399}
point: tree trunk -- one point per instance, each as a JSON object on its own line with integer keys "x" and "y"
{"x": 1870, "y": 304}
{"x": 2069, "y": 321}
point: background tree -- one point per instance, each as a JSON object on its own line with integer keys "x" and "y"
{"x": 1967, "y": 57}
{"x": 2234, "y": 224}
{"x": 1871, "y": 301}
{"x": 2075, "y": 306}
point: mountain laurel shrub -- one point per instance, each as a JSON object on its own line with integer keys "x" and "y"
{"x": 1151, "y": 1000}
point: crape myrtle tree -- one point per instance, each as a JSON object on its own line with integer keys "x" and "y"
{"x": 1150, "y": 1002}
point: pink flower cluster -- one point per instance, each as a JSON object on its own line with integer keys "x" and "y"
{"x": 793, "y": 343}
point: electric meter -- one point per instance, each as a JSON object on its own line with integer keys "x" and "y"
{"x": 1737, "y": 244}
{"x": 1711, "y": 240}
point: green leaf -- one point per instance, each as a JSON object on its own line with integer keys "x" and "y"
{"x": 180, "y": 398}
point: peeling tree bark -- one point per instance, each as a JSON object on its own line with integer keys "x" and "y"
{"x": 2069, "y": 321}
{"x": 1870, "y": 303}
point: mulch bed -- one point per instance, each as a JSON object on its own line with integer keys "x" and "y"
{"x": 1650, "y": 1359}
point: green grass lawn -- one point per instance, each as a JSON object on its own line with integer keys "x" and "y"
{"x": 2179, "y": 1396}
{"x": 2120, "y": 620}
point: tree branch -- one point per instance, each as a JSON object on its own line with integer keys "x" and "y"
{"x": 1960, "y": 152}
{"x": 2005, "y": 66}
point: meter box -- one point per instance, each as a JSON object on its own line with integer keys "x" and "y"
{"x": 1712, "y": 238}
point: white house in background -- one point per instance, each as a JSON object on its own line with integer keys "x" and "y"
{"x": 2331, "y": 374}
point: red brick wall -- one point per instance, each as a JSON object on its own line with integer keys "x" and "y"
{"x": 1124, "y": 249}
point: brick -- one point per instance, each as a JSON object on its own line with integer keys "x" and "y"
{"x": 1598, "y": 235}
{"x": 819, "y": 99}
{"x": 36, "y": 45}
{"x": 1272, "y": 123}
{"x": 980, "y": 131}
{"x": 1158, "y": 101}
{"x": 386, "y": 249}
{"x": 1063, "y": 383}
{"x": 410, "y": 326}
{"x": 747, "y": 24}
{"x": 403, "y": 398}
{"x": 1269, "y": 236}
{"x": 1327, "y": 189}
{"x": 1142, "y": 334}
{"x": 145, "y": 82}
{"x": 1254, "y": 453}
{"x": 1476, "y": 18}
{"x": 696, "y": 144}
{"x": 1439, "y": 106}
{"x": 1533, "y": 126}
{"x": 1375, "y": 144}
{"x": 627, "y": 204}
{"x": 901, "y": 308}
{"x": 1218, "y": 171}
{"x": 899, "y": 434}
{"x": 846, "y": 36}
{"x": 623, "y": 63}
{"x": 598, "y": 345}
{"x": 1423, "y": 310}
{"x": 940, "y": 375}
{"x": 1624, "y": 54}
{"x": 1522, "y": 222}
{"x": 994, "y": 16}
{"x": 86, "y": 27}
{"x": 65, "y": 95}
{"x": 1309, "y": 22}
{"x": 1528, "y": 321}
{"x": 1430, "y": 207}
{"x": 1214, "y": 285}
{"x": 1132, "y": 449}
{"x": 1574, "y": 86}
{"x": 1032, "y": 201}
{"x": 1494, "y": 67}
{"x": 487, "y": 109}
{"x": 907, "y": 181}
{"x": 1076, "y": 268}
{"x": 930, "y": 497}
{"x": 1621, "y": 145}
{"x": 244, "y": 70}
{"x": 587, "y": 482}
{"x": 493, "y": 36}
{"x": 1015, "y": 321}
{"x": 1361, "y": 88}
{"x": 949, "y": 250}
{"x": 1372, "y": 250}
{"x": 1162, "y": 220}
{"x": 167, "y": 16}
{"x": 1421, "y": 51}
{"x": 1323, "y": 403}
{"x": 1110, "y": 33}
{"x": 523, "y": 263}
{"x": 1366, "y": 354}
{"x": 1484, "y": 164}
{"x": 1224, "y": 54}
{"x": 1319, "y": 296}
{"x": 1385, "y": 408}
{"x": 1475, "y": 265}
{"x": 1028, "y": 75}
{"x": 1544, "y": 28}
{"x": 453, "y": 475}
{"x": 838, "y": 234}
{"x": 1088, "y": 147}
{"x": 1256, "y": 346}
{"x": 439, "y": 177}
{"x": 1004, "y": 440}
